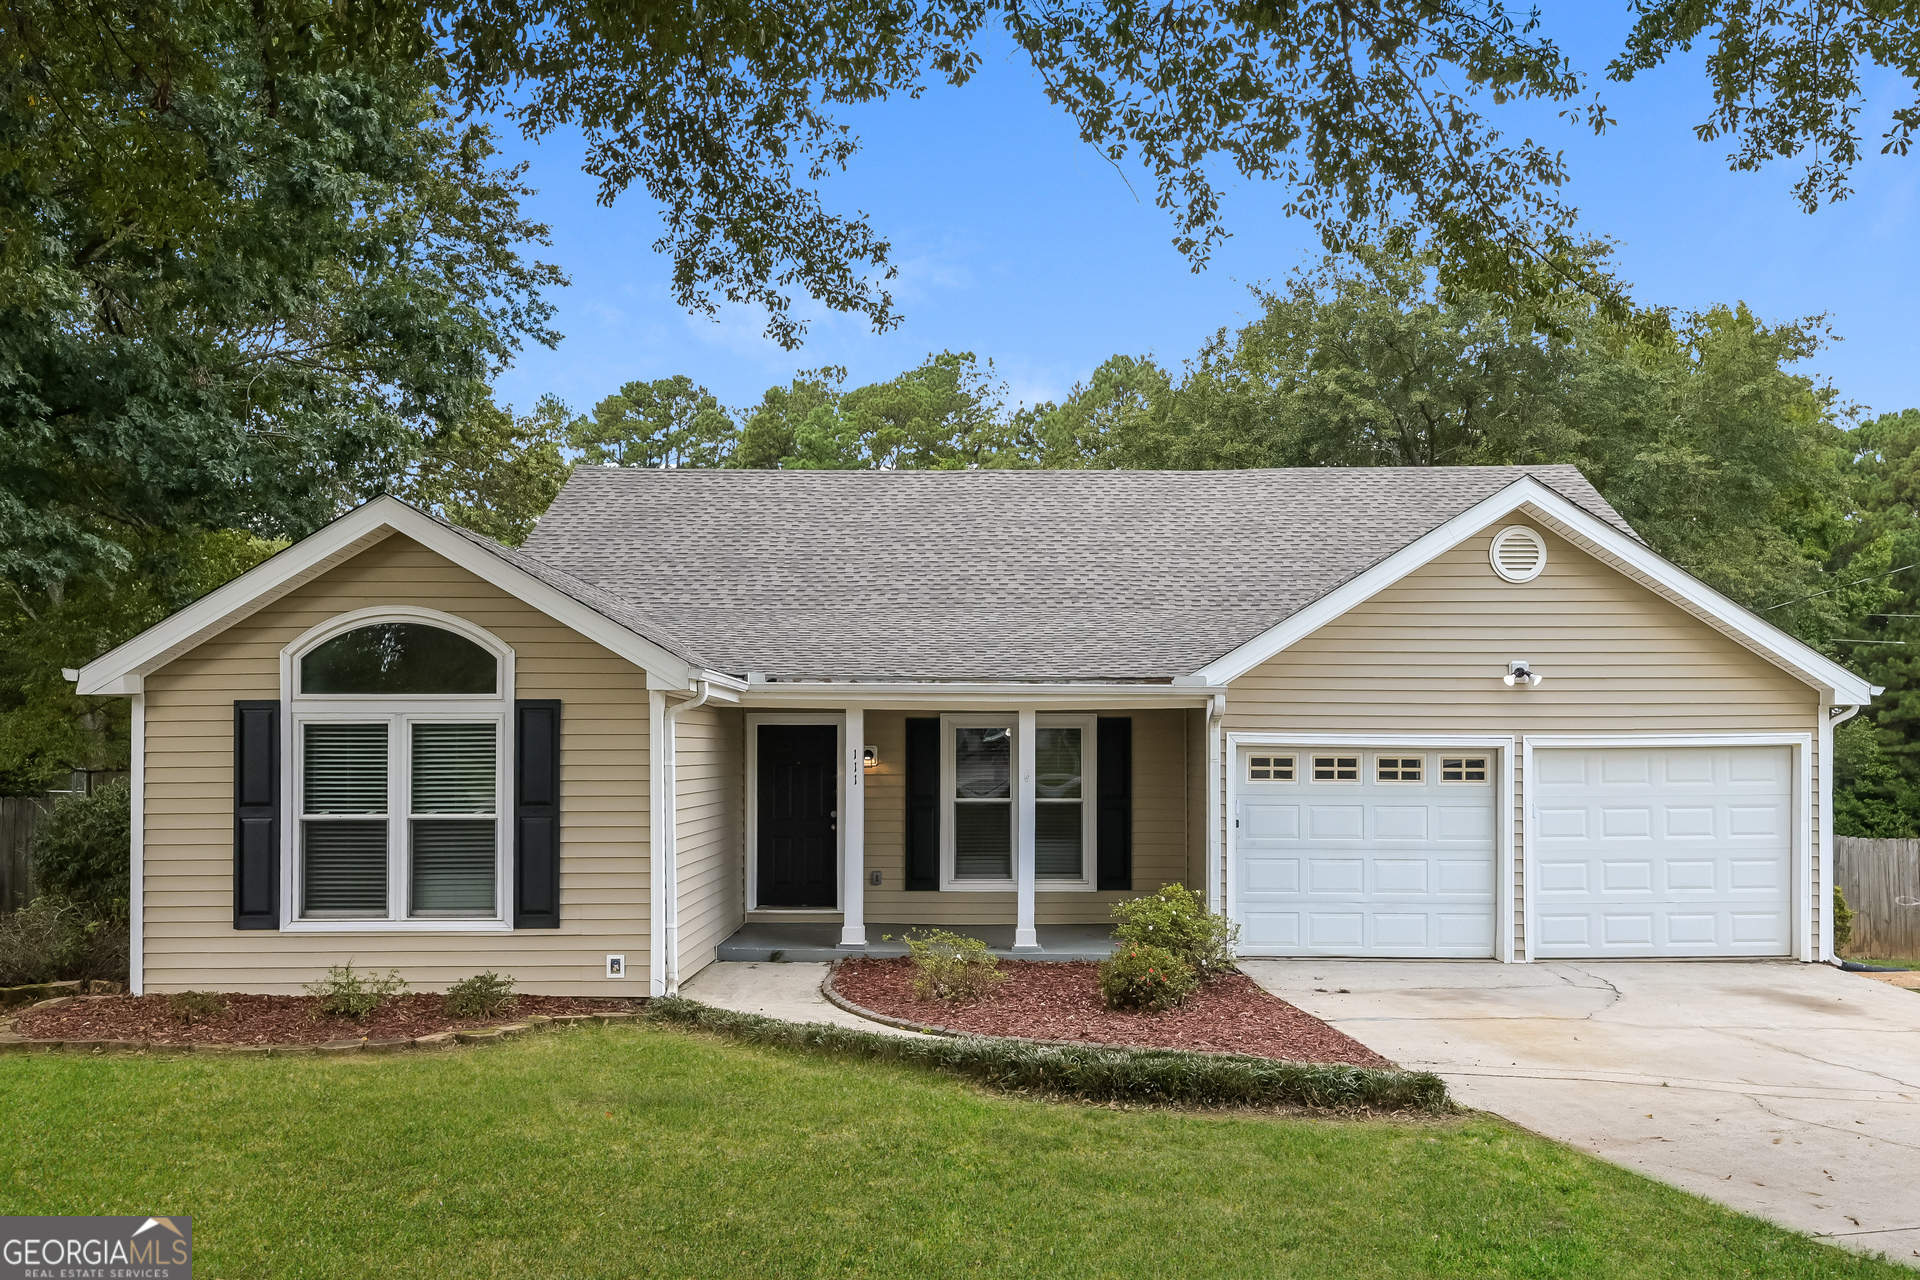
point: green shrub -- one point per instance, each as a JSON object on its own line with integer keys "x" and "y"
{"x": 195, "y": 1006}
{"x": 951, "y": 966}
{"x": 1146, "y": 978}
{"x": 344, "y": 993}
{"x": 53, "y": 939}
{"x": 1176, "y": 919}
{"x": 1842, "y": 921}
{"x": 484, "y": 995}
{"x": 83, "y": 851}
{"x": 1092, "y": 1073}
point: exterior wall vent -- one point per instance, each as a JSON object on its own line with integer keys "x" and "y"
{"x": 1518, "y": 554}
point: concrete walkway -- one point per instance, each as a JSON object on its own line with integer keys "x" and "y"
{"x": 1787, "y": 1091}
{"x": 790, "y": 992}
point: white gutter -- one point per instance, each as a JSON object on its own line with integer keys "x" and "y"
{"x": 1833, "y": 718}
{"x": 666, "y": 854}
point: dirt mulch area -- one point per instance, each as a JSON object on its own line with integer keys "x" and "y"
{"x": 250, "y": 1019}
{"x": 1044, "y": 1000}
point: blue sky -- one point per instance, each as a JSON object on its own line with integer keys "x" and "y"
{"x": 1020, "y": 244}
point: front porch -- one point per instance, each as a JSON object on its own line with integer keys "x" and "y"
{"x": 798, "y": 942}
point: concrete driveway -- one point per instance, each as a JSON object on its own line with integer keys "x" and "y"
{"x": 1787, "y": 1091}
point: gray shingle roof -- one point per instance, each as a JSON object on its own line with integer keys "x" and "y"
{"x": 989, "y": 575}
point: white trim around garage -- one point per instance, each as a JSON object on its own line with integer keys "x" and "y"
{"x": 1804, "y": 948}
{"x": 137, "y": 839}
{"x": 1503, "y": 804}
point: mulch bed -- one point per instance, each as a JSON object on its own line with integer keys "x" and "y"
{"x": 1061, "y": 1001}
{"x": 250, "y": 1019}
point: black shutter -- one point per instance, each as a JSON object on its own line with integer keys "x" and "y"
{"x": 1115, "y": 766}
{"x": 923, "y": 804}
{"x": 256, "y": 815}
{"x": 536, "y": 813}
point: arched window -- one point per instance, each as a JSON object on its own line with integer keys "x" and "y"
{"x": 396, "y": 658}
{"x": 399, "y": 749}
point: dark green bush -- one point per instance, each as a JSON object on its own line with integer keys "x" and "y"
{"x": 344, "y": 993}
{"x": 1090, "y": 1073}
{"x": 1151, "y": 978}
{"x": 1176, "y": 919}
{"x": 83, "y": 852}
{"x": 484, "y": 995}
{"x": 1842, "y": 921}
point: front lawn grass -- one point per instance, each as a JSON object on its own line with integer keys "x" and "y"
{"x": 1888, "y": 962}
{"x": 647, "y": 1151}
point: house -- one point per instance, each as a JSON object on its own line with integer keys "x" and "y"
{"x": 1446, "y": 712}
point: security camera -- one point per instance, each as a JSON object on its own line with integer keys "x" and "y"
{"x": 1520, "y": 674}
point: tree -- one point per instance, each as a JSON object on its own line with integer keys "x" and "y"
{"x": 1380, "y": 118}
{"x": 246, "y": 273}
{"x": 947, "y": 414}
{"x": 800, "y": 421}
{"x": 667, "y": 423}
{"x": 494, "y": 473}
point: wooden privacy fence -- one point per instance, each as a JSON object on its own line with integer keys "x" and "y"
{"x": 20, "y": 817}
{"x": 1881, "y": 879}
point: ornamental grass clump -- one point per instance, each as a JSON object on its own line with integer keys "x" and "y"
{"x": 951, "y": 966}
{"x": 344, "y": 993}
{"x": 1177, "y": 919}
{"x": 484, "y": 995}
{"x": 1149, "y": 978}
{"x": 195, "y": 1006}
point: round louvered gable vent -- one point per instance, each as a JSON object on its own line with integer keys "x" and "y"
{"x": 1518, "y": 554}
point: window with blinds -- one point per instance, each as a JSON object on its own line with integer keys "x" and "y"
{"x": 983, "y": 803}
{"x": 344, "y": 821}
{"x": 1059, "y": 819}
{"x": 431, "y": 827}
{"x": 453, "y": 832}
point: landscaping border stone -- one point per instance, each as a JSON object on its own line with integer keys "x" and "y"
{"x": 11, "y": 1042}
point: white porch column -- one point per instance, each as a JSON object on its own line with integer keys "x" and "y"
{"x": 1024, "y": 744}
{"x": 853, "y": 831}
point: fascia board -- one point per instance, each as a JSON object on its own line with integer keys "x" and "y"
{"x": 121, "y": 670}
{"x": 1765, "y": 638}
{"x": 971, "y": 695}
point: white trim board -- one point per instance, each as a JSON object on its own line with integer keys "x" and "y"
{"x": 1804, "y": 947}
{"x": 123, "y": 670}
{"x": 1503, "y": 943}
{"x": 1593, "y": 535}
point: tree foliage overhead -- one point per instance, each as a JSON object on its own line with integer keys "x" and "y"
{"x": 246, "y": 270}
{"x": 1381, "y": 119}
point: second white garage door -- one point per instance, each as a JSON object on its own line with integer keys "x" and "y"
{"x": 1365, "y": 852}
{"x": 1669, "y": 851}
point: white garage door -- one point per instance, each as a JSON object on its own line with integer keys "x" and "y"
{"x": 1671, "y": 851}
{"x": 1365, "y": 853}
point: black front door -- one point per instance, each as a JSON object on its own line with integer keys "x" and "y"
{"x": 797, "y": 802}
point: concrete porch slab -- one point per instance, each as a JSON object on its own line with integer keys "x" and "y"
{"x": 790, "y": 992}
{"x": 762, "y": 941}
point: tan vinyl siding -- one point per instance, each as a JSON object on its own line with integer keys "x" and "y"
{"x": 1159, "y": 833}
{"x": 710, "y": 839}
{"x": 1426, "y": 656}
{"x": 190, "y": 939}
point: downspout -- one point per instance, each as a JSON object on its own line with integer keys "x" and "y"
{"x": 1216, "y": 805}
{"x": 669, "y": 869}
{"x": 1829, "y": 874}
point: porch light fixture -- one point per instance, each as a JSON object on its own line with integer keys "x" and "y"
{"x": 870, "y": 757}
{"x": 1521, "y": 675}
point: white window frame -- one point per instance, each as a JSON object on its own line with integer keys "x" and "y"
{"x": 400, "y": 714}
{"x": 1089, "y": 800}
